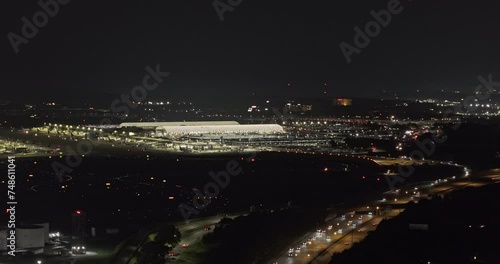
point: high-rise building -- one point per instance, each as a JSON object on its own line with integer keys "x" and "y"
{"x": 78, "y": 225}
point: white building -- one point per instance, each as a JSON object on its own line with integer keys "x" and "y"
{"x": 164, "y": 124}
{"x": 166, "y": 129}
{"x": 219, "y": 130}
{"x": 32, "y": 236}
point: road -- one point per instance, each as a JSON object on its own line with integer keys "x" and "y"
{"x": 319, "y": 250}
{"x": 130, "y": 247}
{"x": 336, "y": 232}
{"x": 190, "y": 231}
{"x": 353, "y": 237}
{"x": 193, "y": 231}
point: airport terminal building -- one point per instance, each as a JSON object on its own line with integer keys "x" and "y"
{"x": 153, "y": 125}
{"x": 205, "y": 128}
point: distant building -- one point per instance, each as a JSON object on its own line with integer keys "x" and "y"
{"x": 297, "y": 108}
{"x": 342, "y": 102}
{"x": 78, "y": 225}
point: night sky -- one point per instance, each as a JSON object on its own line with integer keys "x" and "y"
{"x": 102, "y": 47}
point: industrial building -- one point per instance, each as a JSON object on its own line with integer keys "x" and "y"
{"x": 27, "y": 236}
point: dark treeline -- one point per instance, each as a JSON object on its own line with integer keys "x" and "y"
{"x": 470, "y": 143}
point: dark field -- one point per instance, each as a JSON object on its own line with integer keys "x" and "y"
{"x": 133, "y": 191}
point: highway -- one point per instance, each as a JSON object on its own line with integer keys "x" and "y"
{"x": 319, "y": 248}
{"x": 337, "y": 233}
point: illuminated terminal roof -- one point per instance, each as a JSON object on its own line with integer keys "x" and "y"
{"x": 220, "y": 129}
{"x": 168, "y": 124}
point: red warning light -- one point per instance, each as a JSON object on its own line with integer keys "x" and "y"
{"x": 78, "y": 212}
